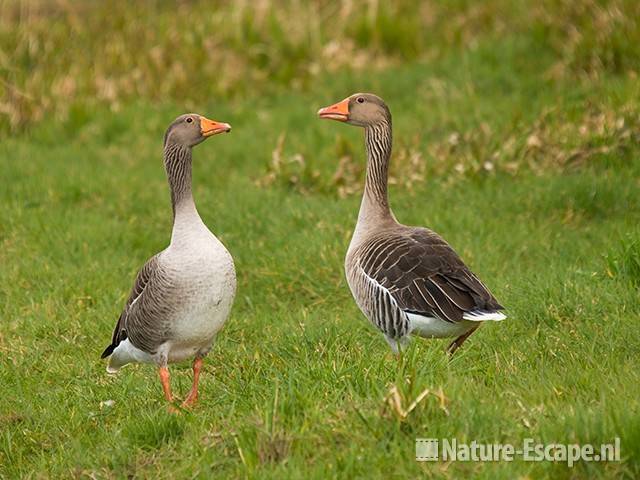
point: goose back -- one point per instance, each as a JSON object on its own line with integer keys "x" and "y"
{"x": 413, "y": 270}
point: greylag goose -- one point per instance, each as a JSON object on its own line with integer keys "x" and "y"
{"x": 183, "y": 295}
{"x": 406, "y": 280}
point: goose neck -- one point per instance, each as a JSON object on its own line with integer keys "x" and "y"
{"x": 375, "y": 201}
{"x": 177, "y": 163}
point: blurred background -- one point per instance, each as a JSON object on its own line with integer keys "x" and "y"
{"x": 59, "y": 58}
{"x": 68, "y": 62}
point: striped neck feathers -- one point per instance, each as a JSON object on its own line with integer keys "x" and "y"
{"x": 378, "y": 141}
{"x": 177, "y": 163}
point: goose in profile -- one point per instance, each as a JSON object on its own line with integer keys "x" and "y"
{"x": 406, "y": 280}
{"x": 182, "y": 296}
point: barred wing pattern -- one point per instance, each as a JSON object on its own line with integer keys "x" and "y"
{"x": 138, "y": 320}
{"x": 377, "y": 303}
{"x": 416, "y": 271}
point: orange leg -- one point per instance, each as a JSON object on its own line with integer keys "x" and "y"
{"x": 192, "y": 398}
{"x": 166, "y": 386}
{"x": 457, "y": 343}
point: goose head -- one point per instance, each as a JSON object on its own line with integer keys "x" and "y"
{"x": 359, "y": 109}
{"x": 190, "y": 129}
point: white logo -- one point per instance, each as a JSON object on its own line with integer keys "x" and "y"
{"x": 426, "y": 449}
{"x": 449, "y": 449}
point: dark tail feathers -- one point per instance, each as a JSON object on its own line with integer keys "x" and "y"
{"x": 108, "y": 351}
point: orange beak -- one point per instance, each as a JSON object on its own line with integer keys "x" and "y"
{"x": 210, "y": 127}
{"x": 338, "y": 111}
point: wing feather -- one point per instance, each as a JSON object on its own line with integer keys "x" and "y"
{"x": 128, "y": 319}
{"x": 425, "y": 275}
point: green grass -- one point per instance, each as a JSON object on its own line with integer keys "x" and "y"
{"x": 531, "y": 176}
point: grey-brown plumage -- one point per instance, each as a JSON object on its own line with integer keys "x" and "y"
{"x": 404, "y": 279}
{"x": 182, "y": 296}
{"x": 146, "y": 340}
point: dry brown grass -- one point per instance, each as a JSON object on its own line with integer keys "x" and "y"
{"x": 553, "y": 143}
{"x": 60, "y": 57}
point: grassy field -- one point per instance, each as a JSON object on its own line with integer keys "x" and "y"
{"x": 516, "y": 141}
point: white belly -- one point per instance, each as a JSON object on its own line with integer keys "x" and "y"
{"x": 204, "y": 287}
{"x": 431, "y": 327}
{"x": 206, "y": 281}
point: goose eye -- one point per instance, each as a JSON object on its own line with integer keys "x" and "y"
{"x": 360, "y": 100}
{"x": 189, "y": 120}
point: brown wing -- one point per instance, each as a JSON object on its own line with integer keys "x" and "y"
{"x": 425, "y": 275}
{"x": 141, "y": 282}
